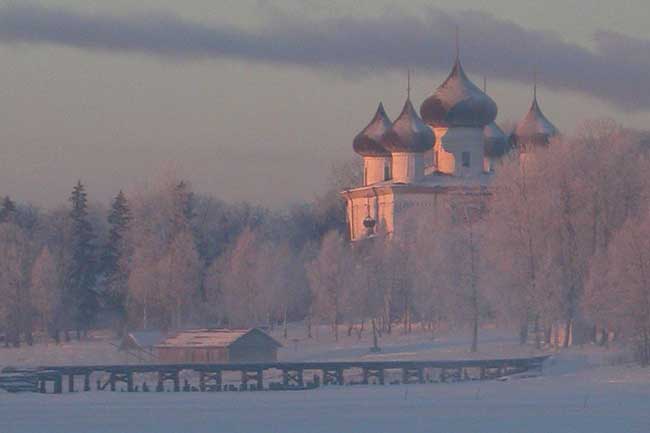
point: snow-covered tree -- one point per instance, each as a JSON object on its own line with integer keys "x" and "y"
{"x": 15, "y": 308}
{"x": 328, "y": 275}
{"x": 46, "y": 294}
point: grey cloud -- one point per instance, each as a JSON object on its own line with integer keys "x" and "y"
{"x": 617, "y": 70}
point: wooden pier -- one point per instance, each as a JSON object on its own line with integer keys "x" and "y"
{"x": 272, "y": 375}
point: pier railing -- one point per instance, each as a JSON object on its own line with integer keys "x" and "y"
{"x": 271, "y": 375}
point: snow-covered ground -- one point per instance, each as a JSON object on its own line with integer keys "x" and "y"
{"x": 603, "y": 399}
{"x": 100, "y": 348}
{"x": 578, "y": 392}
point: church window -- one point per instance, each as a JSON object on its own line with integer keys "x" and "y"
{"x": 386, "y": 172}
{"x": 466, "y": 159}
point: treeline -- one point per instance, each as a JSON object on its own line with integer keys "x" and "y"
{"x": 160, "y": 257}
{"x": 559, "y": 249}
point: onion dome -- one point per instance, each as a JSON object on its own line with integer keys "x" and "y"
{"x": 368, "y": 141}
{"x": 534, "y": 128}
{"x": 408, "y": 133}
{"x": 495, "y": 141}
{"x": 458, "y": 102}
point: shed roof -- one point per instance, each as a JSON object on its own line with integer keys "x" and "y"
{"x": 210, "y": 338}
{"x": 144, "y": 339}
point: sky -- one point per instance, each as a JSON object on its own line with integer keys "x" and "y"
{"x": 256, "y": 99}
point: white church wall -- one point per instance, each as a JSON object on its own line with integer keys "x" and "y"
{"x": 408, "y": 167}
{"x": 375, "y": 169}
{"x": 443, "y": 160}
{"x": 462, "y": 151}
{"x": 379, "y": 207}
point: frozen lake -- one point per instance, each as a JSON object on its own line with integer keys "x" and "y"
{"x": 593, "y": 400}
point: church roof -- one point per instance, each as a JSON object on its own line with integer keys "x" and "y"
{"x": 211, "y": 338}
{"x": 458, "y": 102}
{"x": 408, "y": 133}
{"x": 534, "y": 128}
{"x": 368, "y": 141}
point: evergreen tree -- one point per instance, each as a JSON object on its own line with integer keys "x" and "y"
{"x": 114, "y": 274}
{"x": 81, "y": 295}
{"x": 183, "y": 206}
{"x": 8, "y": 210}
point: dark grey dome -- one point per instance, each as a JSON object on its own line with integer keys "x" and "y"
{"x": 495, "y": 141}
{"x": 534, "y": 129}
{"x": 458, "y": 102}
{"x": 368, "y": 141}
{"x": 408, "y": 133}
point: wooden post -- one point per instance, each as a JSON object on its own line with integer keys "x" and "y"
{"x": 260, "y": 379}
{"x": 285, "y": 377}
{"x": 339, "y": 376}
{"x": 365, "y": 375}
{"x": 58, "y": 383}
{"x": 70, "y": 382}
{"x": 301, "y": 380}
{"x": 112, "y": 381}
{"x": 129, "y": 381}
{"x": 218, "y": 379}
{"x": 160, "y": 387}
{"x": 381, "y": 376}
{"x": 202, "y": 381}
{"x": 43, "y": 385}
{"x": 87, "y": 381}
{"x": 420, "y": 375}
{"x": 177, "y": 384}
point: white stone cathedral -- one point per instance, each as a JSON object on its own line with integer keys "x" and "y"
{"x": 449, "y": 151}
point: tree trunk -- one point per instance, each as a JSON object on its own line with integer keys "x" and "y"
{"x": 604, "y": 337}
{"x": 645, "y": 349}
{"x": 523, "y": 332}
{"x": 309, "y": 326}
{"x": 360, "y": 332}
{"x": 406, "y": 314}
{"x": 567, "y": 333}
{"x": 375, "y": 343}
{"x": 285, "y": 331}
{"x": 475, "y": 333}
{"x": 538, "y": 340}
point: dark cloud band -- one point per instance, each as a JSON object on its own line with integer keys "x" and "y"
{"x": 617, "y": 70}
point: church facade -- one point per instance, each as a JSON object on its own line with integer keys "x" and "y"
{"x": 445, "y": 156}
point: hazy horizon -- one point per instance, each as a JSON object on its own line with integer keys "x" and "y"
{"x": 254, "y": 100}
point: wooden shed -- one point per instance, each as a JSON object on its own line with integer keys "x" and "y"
{"x": 218, "y": 346}
{"x": 142, "y": 340}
